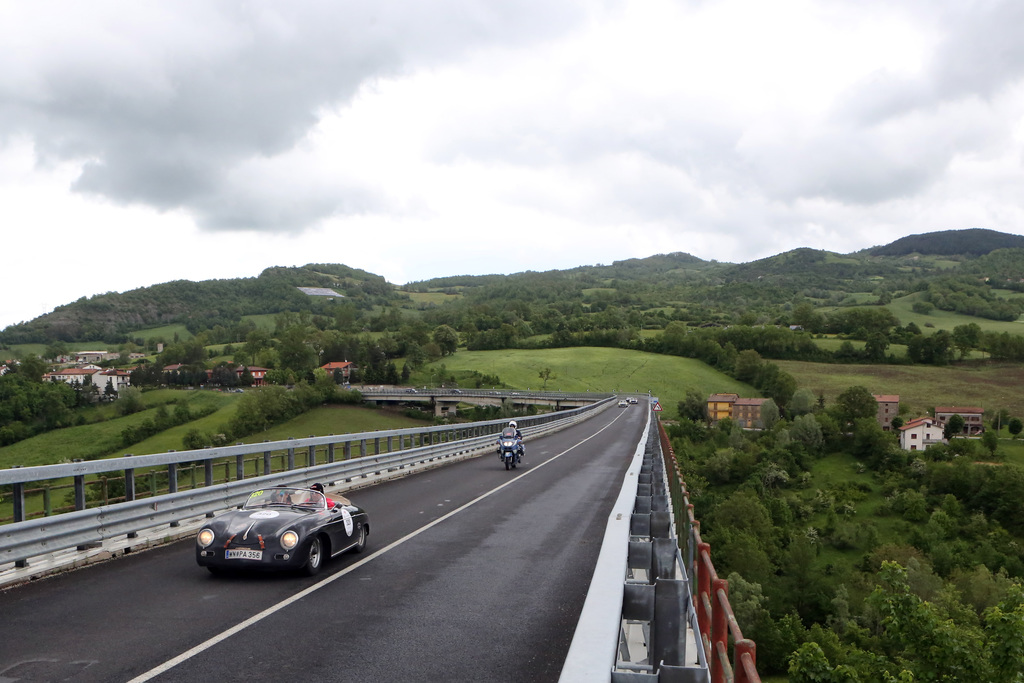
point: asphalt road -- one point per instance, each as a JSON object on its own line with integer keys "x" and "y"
{"x": 471, "y": 573}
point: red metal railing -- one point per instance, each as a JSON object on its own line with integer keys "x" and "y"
{"x": 715, "y": 618}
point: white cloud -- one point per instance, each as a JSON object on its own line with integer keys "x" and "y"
{"x": 202, "y": 140}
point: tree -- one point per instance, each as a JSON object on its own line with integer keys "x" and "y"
{"x": 747, "y": 365}
{"x": 545, "y": 375}
{"x": 32, "y": 367}
{"x": 775, "y": 383}
{"x": 875, "y": 347}
{"x": 296, "y": 352}
{"x": 954, "y": 427}
{"x": 966, "y": 338}
{"x": 990, "y": 440}
{"x": 255, "y": 342}
{"x": 807, "y": 430}
{"x": 769, "y": 414}
{"x": 854, "y": 403}
{"x": 1015, "y": 425}
{"x": 693, "y": 407}
{"x": 56, "y": 350}
{"x": 447, "y": 339}
{"x": 130, "y": 401}
{"x": 802, "y": 402}
{"x": 870, "y": 442}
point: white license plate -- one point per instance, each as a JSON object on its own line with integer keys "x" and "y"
{"x": 242, "y": 554}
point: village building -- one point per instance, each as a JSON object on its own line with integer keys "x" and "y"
{"x": 919, "y": 434}
{"x": 258, "y": 374}
{"x": 344, "y": 367}
{"x": 90, "y": 374}
{"x": 94, "y": 356}
{"x": 720, "y": 406}
{"x": 972, "y": 416}
{"x": 72, "y": 374}
{"x": 888, "y": 408}
{"x": 118, "y": 379}
{"x": 746, "y": 412}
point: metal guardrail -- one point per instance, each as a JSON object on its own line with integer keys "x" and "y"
{"x": 640, "y": 611}
{"x": 637, "y": 616}
{"x": 413, "y": 392}
{"x": 717, "y": 624}
{"x": 25, "y": 539}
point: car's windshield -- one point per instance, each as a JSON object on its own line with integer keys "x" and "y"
{"x": 291, "y": 497}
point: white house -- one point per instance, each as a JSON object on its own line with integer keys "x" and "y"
{"x": 119, "y": 379}
{"x": 71, "y": 375}
{"x": 919, "y": 434}
{"x": 97, "y": 376}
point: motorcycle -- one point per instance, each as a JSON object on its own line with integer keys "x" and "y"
{"x": 510, "y": 448}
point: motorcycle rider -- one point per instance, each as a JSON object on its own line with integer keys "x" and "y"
{"x": 520, "y": 451}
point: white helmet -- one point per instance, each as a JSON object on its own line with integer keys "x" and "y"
{"x": 512, "y": 424}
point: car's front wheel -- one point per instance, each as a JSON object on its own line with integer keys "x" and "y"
{"x": 316, "y": 557}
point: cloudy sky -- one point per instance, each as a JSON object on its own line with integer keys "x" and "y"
{"x": 143, "y": 142}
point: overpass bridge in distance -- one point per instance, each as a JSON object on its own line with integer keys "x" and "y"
{"x": 445, "y": 401}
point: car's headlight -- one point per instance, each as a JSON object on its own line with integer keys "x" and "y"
{"x": 289, "y": 540}
{"x": 205, "y": 537}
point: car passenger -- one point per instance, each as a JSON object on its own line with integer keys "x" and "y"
{"x": 320, "y": 487}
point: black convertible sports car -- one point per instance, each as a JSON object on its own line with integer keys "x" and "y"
{"x": 282, "y": 528}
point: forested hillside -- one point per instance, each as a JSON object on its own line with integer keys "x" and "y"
{"x": 974, "y": 242}
{"x": 113, "y": 317}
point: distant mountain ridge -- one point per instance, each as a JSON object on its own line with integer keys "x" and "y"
{"x": 688, "y": 286}
{"x": 970, "y": 242}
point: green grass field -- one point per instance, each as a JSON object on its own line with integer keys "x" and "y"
{"x": 437, "y": 298}
{"x": 945, "y": 320}
{"x": 264, "y": 321}
{"x": 991, "y": 386}
{"x": 167, "y": 332}
{"x": 599, "y": 370}
{"x": 65, "y": 445}
{"x": 86, "y": 441}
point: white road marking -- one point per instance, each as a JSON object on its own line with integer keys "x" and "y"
{"x": 237, "y": 628}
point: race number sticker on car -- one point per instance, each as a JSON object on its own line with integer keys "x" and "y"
{"x": 346, "y": 517}
{"x": 264, "y": 514}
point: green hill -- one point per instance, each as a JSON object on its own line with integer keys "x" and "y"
{"x": 654, "y": 289}
{"x": 971, "y": 242}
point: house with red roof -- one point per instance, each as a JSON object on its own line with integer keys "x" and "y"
{"x": 972, "y": 416}
{"x": 746, "y": 412}
{"x": 344, "y": 367}
{"x": 919, "y": 434}
{"x": 888, "y": 408}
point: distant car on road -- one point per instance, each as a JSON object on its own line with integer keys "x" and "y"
{"x": 282, "y": 528}
{"x": 633, "y": 399}
{"x": 623, "y": 403}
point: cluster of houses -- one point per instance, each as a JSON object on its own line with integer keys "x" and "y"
{"x": 90, "y": 374}
{"x": 915, "y": 435}
{"x": 85, "y": 371}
